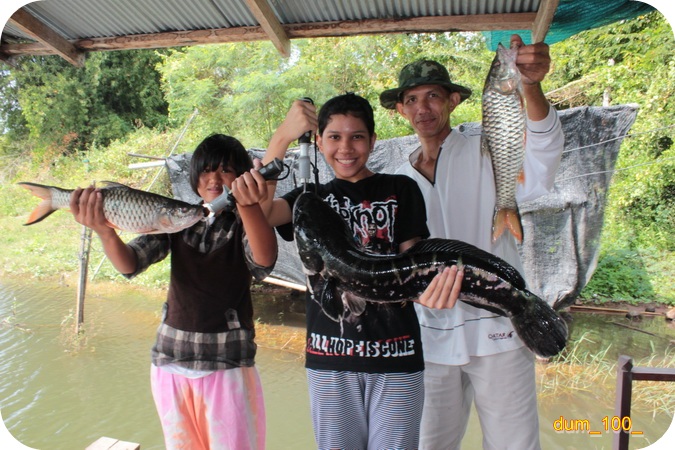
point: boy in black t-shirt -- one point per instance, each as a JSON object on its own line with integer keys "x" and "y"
{"x": 365, "y": 374}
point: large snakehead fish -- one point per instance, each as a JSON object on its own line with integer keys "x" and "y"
{"x": 341, "y": 276}
{"x": 504, "y": 137}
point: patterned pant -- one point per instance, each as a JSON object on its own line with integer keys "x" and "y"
{"x": 223, "y": 410}
{"x": 354, "y": 410}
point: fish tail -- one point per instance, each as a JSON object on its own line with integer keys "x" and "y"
{"x": 46, "y": 207}
{"x": 507, "y": 219}
{"x": 541, "y": 329}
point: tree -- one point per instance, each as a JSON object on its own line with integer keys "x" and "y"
{"x": 67, "y": 108}
{"x": 245, "y": 89}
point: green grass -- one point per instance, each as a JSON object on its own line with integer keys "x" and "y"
{"x": 579, "y": 370}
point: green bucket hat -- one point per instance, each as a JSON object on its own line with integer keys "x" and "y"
{"x": 420, "y": 73}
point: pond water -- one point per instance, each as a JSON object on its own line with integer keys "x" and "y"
{"x": 59, "y": 392}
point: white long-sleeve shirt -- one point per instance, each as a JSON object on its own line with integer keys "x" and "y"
{"x": 460, "y": 205}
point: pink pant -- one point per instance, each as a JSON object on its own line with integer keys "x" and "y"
{"x": 223, "y": 410}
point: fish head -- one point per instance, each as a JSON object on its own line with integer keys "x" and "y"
{"x": 504, "y": 76}
{"x": 175, "y": 217}
{"x": 309, "y": 213}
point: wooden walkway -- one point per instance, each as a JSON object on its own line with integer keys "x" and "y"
{"x": 106, "y": 443}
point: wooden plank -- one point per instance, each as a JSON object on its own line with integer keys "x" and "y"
{"x": 106, "y": 443}
{"x": 269, "y": 22}
{"x": 653, "y": 374}
{"x": 542, "y": 22}
{"x": 286, "y": 284}
{"x": 584, "y": 308}
{"x": 484, "y": 22}
{"x": 48, "y": 37}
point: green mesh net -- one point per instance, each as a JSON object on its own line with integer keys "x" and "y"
{"x": 574, "y": 16}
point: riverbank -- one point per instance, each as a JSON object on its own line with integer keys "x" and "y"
{"x": 279, "y": 310}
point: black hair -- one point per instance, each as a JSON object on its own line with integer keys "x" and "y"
{"x": 348, "y": 104}
{"x": 215, "y": 150}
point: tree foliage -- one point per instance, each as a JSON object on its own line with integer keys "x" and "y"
{"x": 245, "y": 89}
{"x": 66, "y": 108}
{"x": 629, "y": 62}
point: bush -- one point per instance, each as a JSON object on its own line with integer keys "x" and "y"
{"x": 620, "y": 275}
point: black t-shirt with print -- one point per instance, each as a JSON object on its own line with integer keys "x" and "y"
{"x": 382, "y": 211}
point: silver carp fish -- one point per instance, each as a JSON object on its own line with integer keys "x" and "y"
{"x": 504, "y": 137}
{"x": 125, "y": 208}
{"x": 342, "y": 277}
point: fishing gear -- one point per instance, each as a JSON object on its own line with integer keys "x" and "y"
{"x": 225, "y": 201}
{"x": 303, "y": 158}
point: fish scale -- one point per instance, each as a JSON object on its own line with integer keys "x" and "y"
{"x": 125, "y": 208}
{"x": 504, "y": 137}
{"x": 342, "y": 277}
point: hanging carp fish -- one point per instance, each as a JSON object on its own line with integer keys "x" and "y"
{"x": 504, "y": 137}
{"x": 343, "y": 277}
{"x": 125, "y": 208}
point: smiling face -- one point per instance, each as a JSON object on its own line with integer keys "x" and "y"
{"x": 211, "y": 182}
{"x": 346, "y": 145}
{"x": 428, "y": 109}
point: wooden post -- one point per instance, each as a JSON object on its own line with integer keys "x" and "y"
{"x": 624, "y": 385}
{"x": 85, "y": 245}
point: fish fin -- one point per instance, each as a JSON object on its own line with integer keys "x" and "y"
{"x": 521, "y": 177}
{"x": 470, "y": 255}
{"x": 540, "y": 328}
{"x": 324, "y": 292}
{"x": 45, "y": 208}
{"x": 111, "y": 184}
{"x": 485, "y": 145}
{"x": 355, "y": 304}
{"x": 507, "y": 219}
{"x": 482, "y": 305}
{"x": 112, "y": 225}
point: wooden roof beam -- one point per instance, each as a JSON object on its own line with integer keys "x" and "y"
{"x": 542, "y": 22}
{"x": 269, "y": 22}
{"x": 30, "y": 25}
{"x": 436, "y": 24}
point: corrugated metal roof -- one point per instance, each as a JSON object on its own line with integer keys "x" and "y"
{"x": 81, "y": 19}
{"x": 70, "y": 28}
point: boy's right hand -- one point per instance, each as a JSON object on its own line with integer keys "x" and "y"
{"x": 250, "y": 188}
{"x": 301, "y": 117}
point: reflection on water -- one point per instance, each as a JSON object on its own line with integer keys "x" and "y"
{"x": 59, "y": 392}
{"x": 56, "y": 396}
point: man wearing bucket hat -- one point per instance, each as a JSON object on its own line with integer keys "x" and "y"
{"x": 472, "y": 355}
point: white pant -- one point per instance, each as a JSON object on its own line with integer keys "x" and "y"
{"x": 504, "y": 390}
